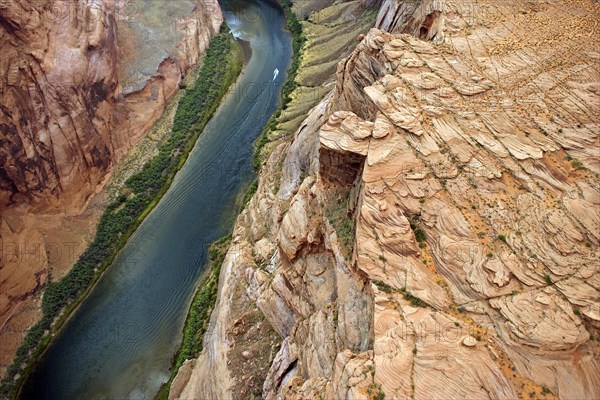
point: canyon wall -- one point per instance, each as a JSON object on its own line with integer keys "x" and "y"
{"x": 65, "y": 121}
{"x": 432, "y": 229}
{"x": 146, "y": 89}
{"x": 58, "y": 86}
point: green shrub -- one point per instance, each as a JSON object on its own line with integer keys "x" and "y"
{"x": 249, "y": 193}
{"x": 204, "y": 300}
{"x": 384, "y": 287}
{"x": 336, "y": 208}
{"x": 420, "y": 235}
{"x": 577, "y": 164}
{"x": 545, "y": 389}
{"x": 375, "y": 392}
{"x": 418, "y": 231}
{"x": 415, "y": 301}
{"x": 298, "y": 40}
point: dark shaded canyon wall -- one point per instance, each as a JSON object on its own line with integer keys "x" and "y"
{"x": 58, "y": 81}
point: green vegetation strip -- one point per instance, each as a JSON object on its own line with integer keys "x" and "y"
{"x": 250, "y": 193}
{"x": 221, "y": 66}
{"x": 295, "y": 28}
{"x": 384, "y": 287}
{"x": 336, "y": 209}
{"x": 198, "y": 316}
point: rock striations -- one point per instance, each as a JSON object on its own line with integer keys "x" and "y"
{"x": 421, "y": 19}
{"x": 433, "y": 229}
{"x": 59, "y": 80}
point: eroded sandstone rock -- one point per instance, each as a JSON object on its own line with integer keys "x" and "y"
{"x": 472, "y": 269}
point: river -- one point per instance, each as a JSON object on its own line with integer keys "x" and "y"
{"x": 120, "y": 341}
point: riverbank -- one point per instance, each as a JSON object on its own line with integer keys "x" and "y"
{"x": 198, "y": 316}
{"x": 141, "y": 193}
{"x": 204, "y": 299}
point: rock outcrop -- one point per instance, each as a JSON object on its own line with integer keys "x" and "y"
{"x": 422, "y": 19}
{"x": 432, "y": 231}
{"x": 65, "y": 121}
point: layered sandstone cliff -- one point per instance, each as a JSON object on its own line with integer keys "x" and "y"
{"x": 65, "y": 120}
{"x": 433, "y": 228}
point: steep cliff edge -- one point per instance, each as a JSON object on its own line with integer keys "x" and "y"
{"x": 433, "y": 228}
{"x": 65, "y": 122}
